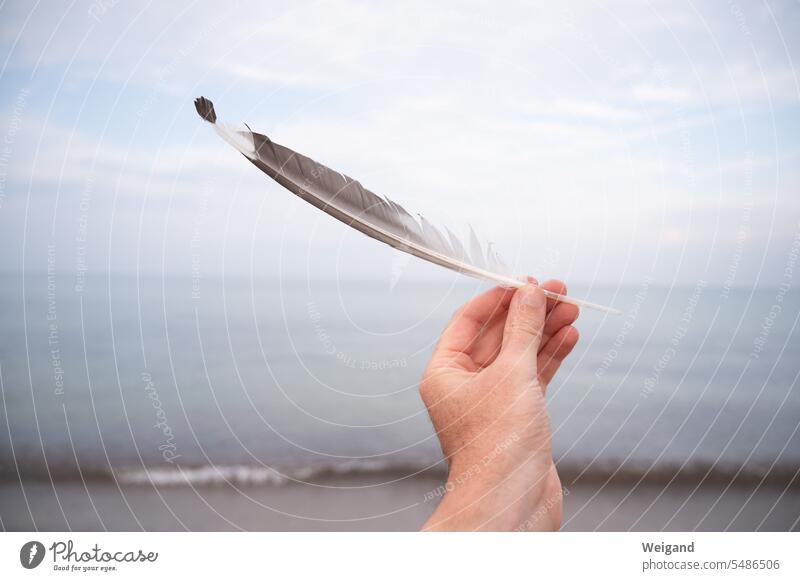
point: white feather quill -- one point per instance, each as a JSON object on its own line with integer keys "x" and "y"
{"x": 380, "y": 218}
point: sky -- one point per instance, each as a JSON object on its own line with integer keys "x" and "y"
{"x": 597, "y": 142}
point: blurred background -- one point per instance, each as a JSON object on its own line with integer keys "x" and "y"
{"x": 186, "y": 345}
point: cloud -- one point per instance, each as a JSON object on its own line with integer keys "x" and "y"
{"x": 582, "y": 109}
{"x": 660, "y": 94}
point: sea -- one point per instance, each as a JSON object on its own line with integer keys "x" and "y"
{"x": 182, "y": 380}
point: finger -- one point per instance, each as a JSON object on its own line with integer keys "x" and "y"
{"x": 554, "y": 286}
{"x": 486, "y": 347}
{"x": 523, "y": 330}
{"x": 554, "y": 352}
{"x": 465, "y": 326}
{"x": 562, "y": 315}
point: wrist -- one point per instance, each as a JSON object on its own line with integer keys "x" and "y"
{"x": 497, "y": 491}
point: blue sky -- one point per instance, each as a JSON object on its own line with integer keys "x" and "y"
{"x": 594, "y": 141}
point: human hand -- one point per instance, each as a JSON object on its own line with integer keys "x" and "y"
{"x": 484, "y": 389}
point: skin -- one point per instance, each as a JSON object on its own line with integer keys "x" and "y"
{"x": 485, "y": 388}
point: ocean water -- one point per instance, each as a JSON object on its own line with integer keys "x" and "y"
{"x": 207, "y": 380}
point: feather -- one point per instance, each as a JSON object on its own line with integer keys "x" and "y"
{"x": 380, "y": 218}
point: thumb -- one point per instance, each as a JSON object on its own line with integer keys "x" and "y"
{"x": 524, "y": 328}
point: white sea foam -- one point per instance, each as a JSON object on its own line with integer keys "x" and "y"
{"x": 241, "y": 474}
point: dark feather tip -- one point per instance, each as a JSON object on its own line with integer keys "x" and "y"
{"x": 205, "y": 109}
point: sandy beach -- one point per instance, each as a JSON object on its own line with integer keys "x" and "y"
{"x": 379, "y": 502}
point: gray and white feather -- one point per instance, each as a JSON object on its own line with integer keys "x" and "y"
{"x": 378, "y": 217}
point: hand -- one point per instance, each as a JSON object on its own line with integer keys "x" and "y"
{"x": 485, "y": 392}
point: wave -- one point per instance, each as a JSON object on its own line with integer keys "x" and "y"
{"x": 244, "y": 475}
{"x": 385, "y": 471}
